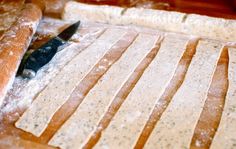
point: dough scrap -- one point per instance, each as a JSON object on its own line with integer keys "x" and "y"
{"x": 127, "y": 124}
{"x": 92, "y": 12}
{"x": 176, "y": 126}
{"x": 225, "y": 137}
{"x": 37, "y": 117}
{"x": 80, "y": 126}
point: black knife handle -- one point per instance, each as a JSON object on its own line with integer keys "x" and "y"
{"x": 41, "y": 57}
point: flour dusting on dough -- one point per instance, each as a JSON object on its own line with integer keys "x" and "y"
{"x": 23, "y": 91}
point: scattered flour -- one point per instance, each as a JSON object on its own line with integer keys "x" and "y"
{"x": 24, "y": 90}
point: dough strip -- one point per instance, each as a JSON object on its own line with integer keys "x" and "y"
{"x": 226, "y": 134}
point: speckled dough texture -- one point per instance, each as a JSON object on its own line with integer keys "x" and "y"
{"x": 81, "y": 125}
{"x": 225, "y": 137}
{"x": 176, "y": 126}
{"x": 37, "y": 117}
{"x": 128, "y": 122}
{"x": 204, "y": 26}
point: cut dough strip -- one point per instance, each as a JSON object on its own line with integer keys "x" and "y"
{"x": 37, "y": 117}
{"x": 87, "y": 83}
{"x": 80, "y": 126}
{"x": 176, "y": 126}
{"x": 226, "y": 134}
{"x": 173, "y": 86}
{"x": 204, "y": 26}
{"x": 210, "y": 117}
{"x": 127, "y": 124}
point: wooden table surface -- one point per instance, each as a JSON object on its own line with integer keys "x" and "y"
{"x": 9, "y": 135}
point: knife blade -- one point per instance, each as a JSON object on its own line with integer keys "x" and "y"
{"x": 32, "y": 62}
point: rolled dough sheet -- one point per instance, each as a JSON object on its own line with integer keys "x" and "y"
{"x": 225, "y": 137}
{"x": 127, "y": 124}
{"x": 80, "y": 126}
{"x": 204, "y": 26}
{"x": 176, "y": 126}
{"x": 37, "y": 117}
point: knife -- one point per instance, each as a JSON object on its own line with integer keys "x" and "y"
{"x": 35, "y": 60}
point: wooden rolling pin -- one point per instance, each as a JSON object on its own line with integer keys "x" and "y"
{"x": 15, "y": 42}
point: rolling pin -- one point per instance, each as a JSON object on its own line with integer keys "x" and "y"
{"x": 14, "y": 43}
